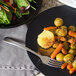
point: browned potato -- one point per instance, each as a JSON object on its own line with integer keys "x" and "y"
{"x": 73, "y": 46}
{"x": 45, "y": 39}
{"x": 68, "y": 58}
{"x": 72, "y": 28}
{"x": 72, "y": 51}
{"x": 74, "y": 64}
{"x": 55, "y": 45}
{"x": 59, "y": 57}
{"x": 58, "y": 22}
{"x": 64, "y": 28}
{"x": 66, "y": 45}
{"x": 61, "y": 32}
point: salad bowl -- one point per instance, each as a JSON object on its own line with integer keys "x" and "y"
{"x": 24, "y": 19}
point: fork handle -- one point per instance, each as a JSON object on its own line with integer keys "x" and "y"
{"x": 20, "y": 45}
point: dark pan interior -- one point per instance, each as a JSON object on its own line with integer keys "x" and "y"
{"x": 45, "y": 19}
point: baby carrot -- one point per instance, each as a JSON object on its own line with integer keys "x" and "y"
{"x": 56, "y": 51}
{"x": 71, "y": 41}
{"x": 71, "y": 33}
{"x": 48, "y": 28}
{"x": 69, "y": 66}
{"x": 64, "y": 51}
{"x": 4, "y": 8}
{"x": 62, "y": 38}
{"x": 63, "y": 65}
{"x": 72, "y": 70}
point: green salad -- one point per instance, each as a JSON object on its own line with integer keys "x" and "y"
{"x": 13, "y": 9}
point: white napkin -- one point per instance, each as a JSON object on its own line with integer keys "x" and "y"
{"x": 13, "y": 60}
{"x": 71, "y": 3}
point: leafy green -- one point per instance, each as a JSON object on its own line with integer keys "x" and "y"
{"x": 5, "y": 17}
{"x": 32, "y": 1}
{"x": 26, "y": 13}
{"x": 19, "y": 15}
{"x": 21, "y": 3}
{"x": 33, "y": 7}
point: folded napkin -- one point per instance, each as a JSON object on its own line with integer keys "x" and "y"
{"x": 71, "y": 3}
{"x": 15, "y": 61}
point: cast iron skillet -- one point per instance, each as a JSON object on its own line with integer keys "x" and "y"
{"x": 45, "y": 19}
{"x": 25, "y": 19}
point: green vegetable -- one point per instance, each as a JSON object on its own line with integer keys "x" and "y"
{"x": 32, "y": 1}
{"x": 33, "y": 7}
{"x": 5, "y": 17}
{"x": 26, "y": 13}
{"x": 19, "y": 15}
{"x": 22, "y": 3}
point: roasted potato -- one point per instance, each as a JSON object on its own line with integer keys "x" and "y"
{"x": 66, "y": 45}
{"x": 45, "y": 39}
{"x": 72, "y": 28}
{"x": 61, "y": 32}
{"x": 58, "y": 22}
{"x": 59, "y": 57}
{"x": 72, "y": 51}
{"x": 73, "y": 46}
{"x": 68, "y": 58}
{"x": 74, "y": 64}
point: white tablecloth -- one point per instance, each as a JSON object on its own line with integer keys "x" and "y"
{"x": 13, "y": 60}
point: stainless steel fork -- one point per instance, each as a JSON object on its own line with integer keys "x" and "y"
{"x": 46, "y": 60}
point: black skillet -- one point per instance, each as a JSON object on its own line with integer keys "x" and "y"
{"x": 45, "y": 19}
{"x": 25, "y": 19}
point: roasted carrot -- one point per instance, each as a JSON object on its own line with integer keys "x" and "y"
{"x": 4, "y": 8}
{"x": 62, "y": 38}
{"x": 71, "y": 33}
{"x": 63, "y": 65}
{"x": 11, "y": 6}
{"x": 56, "y": 51}
{"x": 48, "y": 28}
{"x": 64, "y": 51}
{"x": 72, "y": 41}
{"x": 69, "y": 66}
{"x": 72, "y": 70}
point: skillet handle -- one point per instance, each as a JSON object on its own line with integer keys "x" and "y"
{"x": 20, "y": 45}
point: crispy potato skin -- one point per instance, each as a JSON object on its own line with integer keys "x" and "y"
{"x": 45, "y": 39}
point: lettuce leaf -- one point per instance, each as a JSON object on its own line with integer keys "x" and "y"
{"x": 21, "y": 3}
{"x": 19, "y": 15}
{"x": 5, "y": 17}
